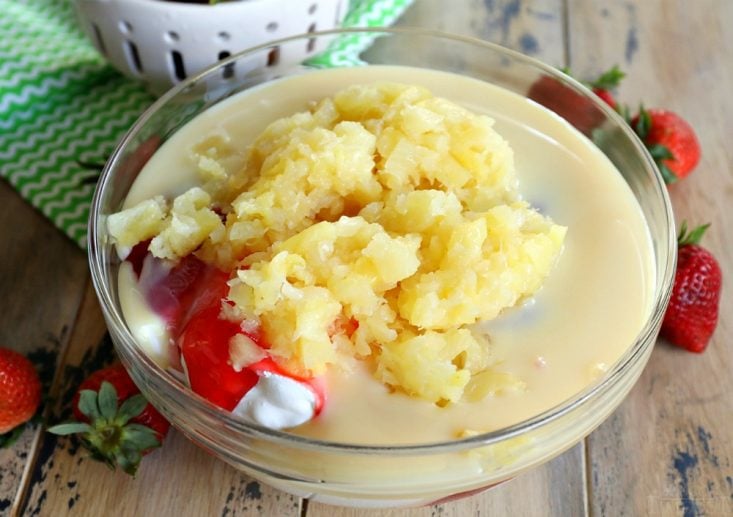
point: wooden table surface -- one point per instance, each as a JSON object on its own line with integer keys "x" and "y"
{"x": 668, "y": 449}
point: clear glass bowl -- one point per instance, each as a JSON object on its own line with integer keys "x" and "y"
{"x": 374, "y": 476}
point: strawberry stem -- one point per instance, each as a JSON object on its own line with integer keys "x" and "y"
{"x": 625, "y": 113}
{"x": 109, "y": 435}
{"x": 693, "y": 237}
{"x": 643, "y": 123}
{"x": 609, "y": 79}
{"x": 658, "y": 152}
{"x": 667, "y": 174}
{"x": 685, "y": 238}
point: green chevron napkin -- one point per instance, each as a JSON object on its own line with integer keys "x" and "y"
{"x": 63, "y": 108}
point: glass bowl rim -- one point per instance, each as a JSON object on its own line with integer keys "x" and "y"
{"x": 113, "y": 315}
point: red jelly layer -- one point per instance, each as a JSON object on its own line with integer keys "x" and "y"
{"x": 189, "y": 298}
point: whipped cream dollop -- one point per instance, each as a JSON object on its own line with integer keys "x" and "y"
{"x": 277, "y": 402}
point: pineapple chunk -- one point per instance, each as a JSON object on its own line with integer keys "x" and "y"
{"x": 189, "y": 223}
{"x": 138, "y": 223}
{"x": 425, "y": 365}
{"x": 299, "y": 330}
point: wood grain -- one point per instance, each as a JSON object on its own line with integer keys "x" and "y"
{"x": 532, "y": 27}
{"x": 42, "y": 279}
{"x": 669, "y": 449}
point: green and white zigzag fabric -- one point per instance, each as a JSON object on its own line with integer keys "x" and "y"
{"x": 345, "y": 50}
{"x": 63, "y": 108}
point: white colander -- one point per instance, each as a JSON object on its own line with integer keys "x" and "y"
{"x": 164, "y": 42}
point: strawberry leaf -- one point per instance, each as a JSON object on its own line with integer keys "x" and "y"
{"x": 660, "y": 152}
{"x": 70, "y": 428}
{"x": 667, "y": 174}
{"x": 131, "y": 408}
{"x": 625, "y": 113}
{"x": 128, "y": 461}
{"x": 682, "y": 232}
{"x": 140, "y": 437}
{"x": 643, "y": 124}
{"x": 107, "y": 400}
{"x": 609, "y": 79}
{"x": 694, "y": 237}
{"x": 88, "y": 404}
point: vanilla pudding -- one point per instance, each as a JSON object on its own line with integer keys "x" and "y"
{"x": 589, "y": 310}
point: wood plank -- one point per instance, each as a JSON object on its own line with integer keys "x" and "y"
{"x": 534, "y": 27}
{"x": 178, "y": 479}
{"x": 42, "y": 279}
{"x": 669, "y": 449}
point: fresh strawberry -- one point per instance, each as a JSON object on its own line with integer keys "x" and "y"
{"x": 606, "y": 96}
{"x": 606, "y": 83}
{"x": 115, "y": 421}
{"x": 573, "y": 106}
{"x": 670, "y": 140}
{"x": 566, "y": 102}
{"x": 692, "y": 313}
{"x": 20, "y": 390}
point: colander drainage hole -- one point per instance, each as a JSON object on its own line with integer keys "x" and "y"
{"x": 179, "y": 70}
{"x": 311, "y": 41}
{"x": 228, "y": 71}
{"x": 273, "y": 57}
{"x": 338, "y": 13}
{"x": 98, "y": 37}
{"x": 125, "y": 27}
{"x": 133, "y": 57}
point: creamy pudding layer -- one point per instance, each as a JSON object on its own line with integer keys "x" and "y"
{"x": 585, "y": 316}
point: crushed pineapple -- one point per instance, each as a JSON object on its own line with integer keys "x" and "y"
{"x": 189, "y": 223}
{"x": 138, "y": 223}
{"x": 383, "y": 206}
